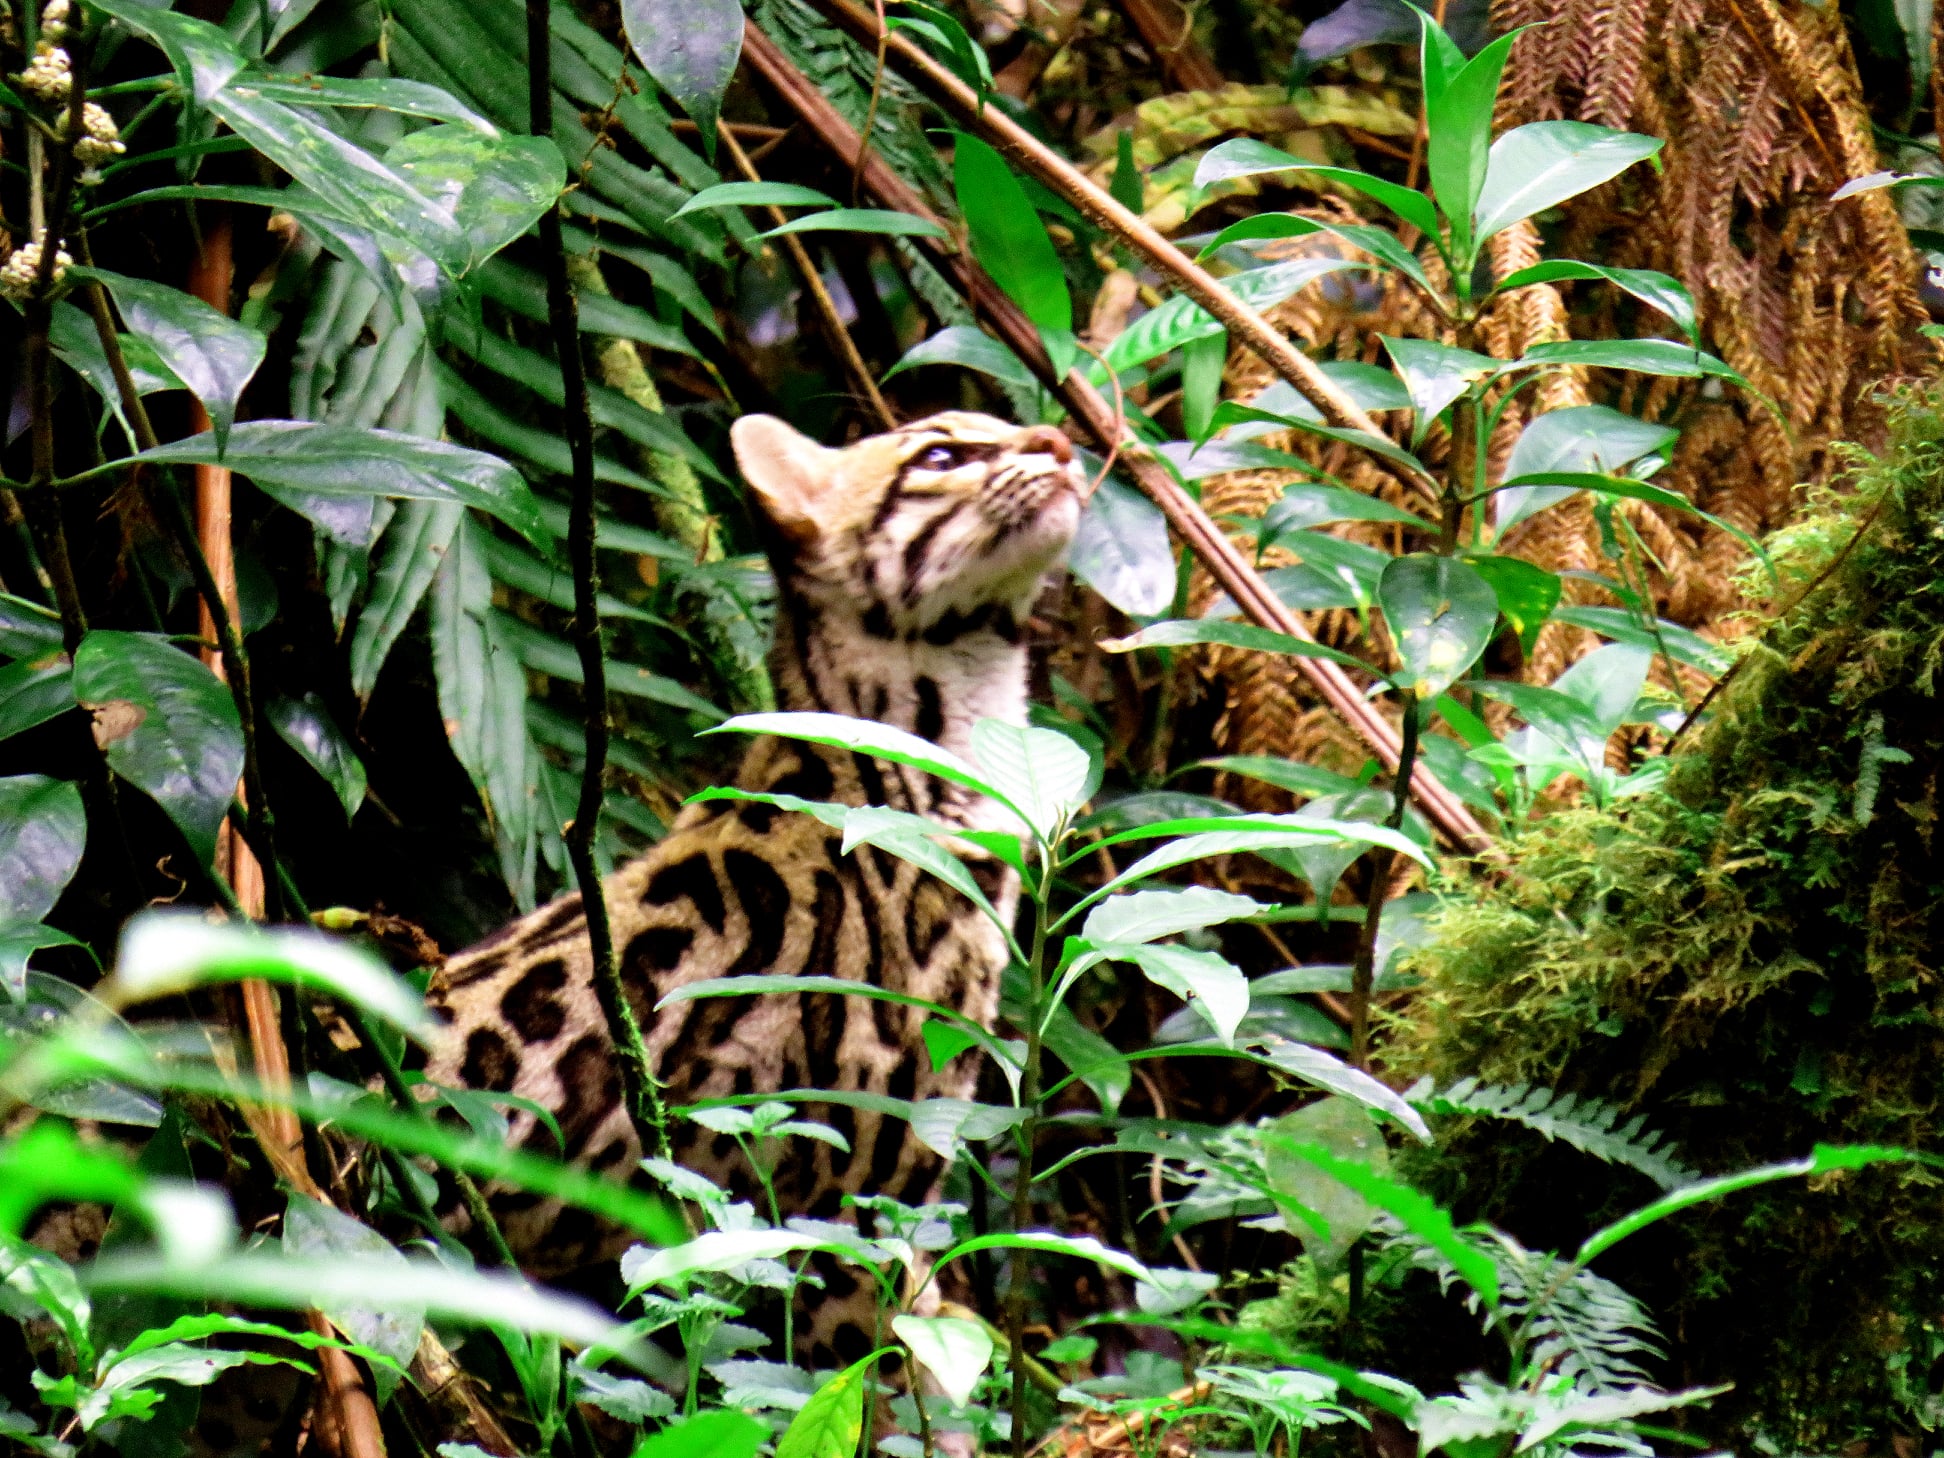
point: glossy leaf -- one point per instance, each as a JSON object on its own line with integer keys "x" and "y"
{"x": 972, "y": 348}
{"x": 1626, "y": 486}
{"x": 714, "y": 1433}
{"x": 1041, "y": 772}
{"x": 1303, "y": 505}
{"x": 203, "y": 56}
{"x": 1247, "y": 157}
{"x": 1659, "y": 291}
{"x": 290, "y": 457}
{"x": 33, "y": 691}
{"x": 1441, "y": 615}
{"x": 1146, "y": 916}
{"x": 755, "y": 194}
{"x": 316, "y": 1231}
{"x": 1179, "y": 632}
{"x": 691, "y": 48}
{"x": 495, "y": 186}
{"x": 1458, "y": 104}
{"x": 1346, "y": 1130}
{"x": 1526, "y": 594}
{"x": 1122, "y": 550}
{"x": 1643, "y": 356}
{"x": 210, "y": 353}
{"x": 370, "y": 93}
{"x": 860, "y": 220}
{"x": 1683, "y": 645}
{"x": 955, "y": 1351}
{"x": 831, "y": 1422}
{"x": 1011, "y": 243}
{"x": 1180, "y": 321}
{"x": 1542, "y": 164}
{"x": 43, "y": 830}
{"x": 842, "y": 732}
{"x": 1080, "y": 1247}
{"x": 1380, "y": 244}
{"x": 1577, "y": 438}
{"x": 1202, "y": 361}
{"x": 1435, "y": 375}
{"x": 307, "y": 727}
{"x": 405, "y": 562}
{"x": 166, "y": 724}
{"x": 1286, "y": 774}
{"x": 1208, "y": 981}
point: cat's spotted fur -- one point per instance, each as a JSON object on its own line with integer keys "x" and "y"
{"x": 905, "y": 564}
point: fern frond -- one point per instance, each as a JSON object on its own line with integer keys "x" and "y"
{"x": 1591, "y": 1126}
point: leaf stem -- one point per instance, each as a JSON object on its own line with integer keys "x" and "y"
{"x": 645, "y": 1108}
{"x": 1029, "y": 1100}
{"x": 1363, "y": 968}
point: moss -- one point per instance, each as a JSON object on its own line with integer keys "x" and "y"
{"x": 1753, "y": 961}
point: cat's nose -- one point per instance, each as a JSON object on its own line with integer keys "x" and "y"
{"x": 1048, "y": 439}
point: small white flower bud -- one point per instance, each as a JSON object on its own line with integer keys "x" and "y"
{"x": 47, "y": 77}
{"x": 101, "y": 139}
{"x": 17, "y": 275}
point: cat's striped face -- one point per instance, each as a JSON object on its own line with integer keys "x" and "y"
{"x": 942, "y": 523}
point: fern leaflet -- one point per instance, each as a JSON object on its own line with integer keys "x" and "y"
{"x": 1591, "y": 1126}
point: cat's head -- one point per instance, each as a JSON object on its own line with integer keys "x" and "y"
{"x": 934, "y": 523}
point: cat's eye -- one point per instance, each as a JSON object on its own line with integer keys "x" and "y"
{"x": 939, "y": 458}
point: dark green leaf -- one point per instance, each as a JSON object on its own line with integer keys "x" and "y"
{"x": 969, "y": 346}
{"x": 494, "y": 185}
{"x": 1458, "y": 134}
{"x": 33, "y": 691}
{"x": 209, "y": 352}
{"x": 1011, "y": 243}
{"x": 860, "y": 220}
{"x": 1526, "y": 594}
{"x": 1302, "y": 506}
{"x": 1577, "y": 438}
{"x": 1541, "y": 165}
{"x": 1668, "y": 295}
{"x": 43, "y": 830}
{"x": 406, "y": 560}
{"x": 203, "y": 56}
{"x": 1247, "y": 157}
{"x": 1643, "y": 356}
{"x": 166, "y": 724}
{"x": 375, "y": 93}
{"x": 1181, "y": 321}
{"x": 1681, "y": 644}
{"x": 307, "y": 727}
{"x": 1435, "y": 375}
{"x": 690, "y": 47}
{"x": 755, "y": 194}
{"x": 1441, "y": 615}
{"x": 1128, "y": 187}
{"x": 1378, "y": 243}
{"x": 1285, "y": 774}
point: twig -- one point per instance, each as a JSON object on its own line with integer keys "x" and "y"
{"x": 1363, "y": 969}
{"x": 1225, "y": 563}
{"x": 806, "y": 268}
{"x": 1155, "y": 1192}
{"x": 643, "y": 1096}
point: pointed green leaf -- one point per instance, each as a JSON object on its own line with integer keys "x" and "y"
{"x": 831, "y": 1422}
{"x": 955, "y": 1351}
{"x": 307, "y": 727}
{"x": 691, "y": 48}
{"x": 1441, "y": 615}
{"x": 755, "y": 194}
{"x": 1040, "y": 771}
{"x": 1541, "y": 165}
{"x": 1435, "y": 375}
{"x": 1247, "y": 157}
{"x": 1011, "y": 243}
{"x": 1578, "y": 438}
{"x": 1458, "y": 134}
{"x": 43, "y": 830}
{"x": 970, "y": 347}
{"x": 1658, "y": 290}
{"x": 859, "y": 220}
{"x": 495, "y": 185}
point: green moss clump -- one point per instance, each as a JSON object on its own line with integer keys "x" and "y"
{"x": 1754, "y": 960}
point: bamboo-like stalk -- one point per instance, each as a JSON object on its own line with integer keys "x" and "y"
{"x": 1093, "y": 413}
{"x": 637, "y": 1069}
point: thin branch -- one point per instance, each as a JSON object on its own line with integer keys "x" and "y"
{"x": 1363, "y": 969}
{"x": 806, "y": 268}
{"x": 1092, "y": 412}
{"x": 645, "y": 1108}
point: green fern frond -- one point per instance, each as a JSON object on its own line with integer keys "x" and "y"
{"x": 1591, "y": 1126}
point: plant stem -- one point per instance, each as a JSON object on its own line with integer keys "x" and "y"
{"x": 1022, "y": 1211}
{"x": 645, "y": 1108}
{"x": 1363, "y": 970}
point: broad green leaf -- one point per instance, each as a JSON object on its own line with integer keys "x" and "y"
{"x": 1643, "y": 356}
{"x": 43, "y": 830}
{"x": 955, "y": 1351}
{"x": 1441, "y": 615}
{"x": 1081, "y": 1247}
{"x": 496, "y": 186}
{"x": 1323, "y": 864}
{"x": 1608, "y": 682}
{"x": 1435, "y": 375}
{"x": 165, "y": 953}
{"x": 716, "y": 1250}
{"x": 1559, "y": 716}
{"x": 125, "y": 1387}
{"x": 315, "y": 1231}
{"x": 1146, "y": 916}
{"x": 1346, "y": 1129}
{"x": 1417, "y": 1213}
{"x": 969, "y": 347}
{"x": 1458, "y": 134}
{"x": 1232, "y": 413}
{"x": 1379, "y": 244}
{"x": 869, "y": 737}
{"x": 1304, "y": 505}
{"x": 1330, "y": 1073}
{"x": 1577, "y": 438}
{"x": 1202, "y": 361}
{"x": 831, "y": 1422}
{"x": 404, "y": 563}
{"x": 72, "y": 334}
{"x": 1541, "y": 165}
{"x": 1197, "y": 462}
{"x": 859, "y": 220}
{"x": 715, "y": 1433}
{"x": 1683, "y": 645}
{"x": 212, "y": 354}
{"x": 1042, "y": 773}
{"x": 1247, "y": 157}
{"x": 1626, "y": 486}
{"x": 944, "y": 1042}
{"x": 290, "y": 456}
{"x": 374, "y": 93}
{"x": 19, "y": 940}
{"x": 1122, "y": 551}
{"x": 691, "y": 48}
{"x": 203, "y": 56}
{"x": 1179, "y": 632}
{"x": 1011, "y": 244}
{"x": 307, "y": 727}
{"x": 1659, "y": 291}
{"x": 166, "y": 724}
{"x": 959, "y": 51}
{"x": 1208, "y": 981}
{"x": 755, "y": 194}
{"x": 1180, "y": 321}
{"x": 1286, "y": 774}
{"x": 627, "y": 1398}
{"x": 1526, "y": 594}
{"x": 943, "y": 1125}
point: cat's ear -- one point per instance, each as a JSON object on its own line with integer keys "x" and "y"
{"x": 788, "y": 471}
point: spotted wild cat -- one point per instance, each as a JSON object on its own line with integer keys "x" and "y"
{"x": 904, "y": 566}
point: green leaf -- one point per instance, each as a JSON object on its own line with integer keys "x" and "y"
{"x": 1643, "y": 356}
{"x": 1435, "y": 375}
{"x": 166, "y": 724}
{"x": 1577, "y": 438}
{"x": 1526, "y": 594}
{"x": 495, "y": 186}
{"x": 1345, "y": 1129}
{"x": 43, "y": 830}
{"x": 969, "y": 347}
{"x": 691, "y": 48}
{"x": 1146, "y": 916}
{"x": 1232, "y": 413}
{"x": 888, "y": 830}
{"x": 1247, "y": 157}
{"x": 1178, "y": 632}
{"x": 374, "y": 93}
{"x": 405, "y": 562}
{"x": 1286, "y": 774}
{"x": 1441, "y": 615}
{"x": 1041, "y": 772}
{"x": 166, "y": 953}
{"x": 716, "y": 1433}
{"x": 831, "y": 1422}
{"x": 1458, "y": 134}
{"x": 292, "y": 459}
{"x": 944, "y": 1042}
{"x": 1128, "y": 187}
{"x": 943, "y": 1125}
{"x": 209, "y": 352}
{"x": 1122, "y": 550}
{"x": 1633, "y": 490}
{"x": 1378, "y": 243}
{"x": 1683, "y": 645}
{"x": 203, "y": 56}
{"x": 1304, "y": 505}
{"x": 1080, "y": 1247}
{"x": 1181, "y": 322}
{"x": 755, "y": 194}
{"x": 860, "y": 220}
{"x": 1416, "y": 1212}
{"x": 895, "y": 745}
{"x": 19, "y": 940}
{"x": 1541, "y": 165}
{"x": 1208, "y": 981}
{"x": 1202, "y": 361}
{"x": 1657, "y": 290}
{"x": 320, "y": 1232}
{"x": 955, "y": 1351}
{"x": 1330, "y": 1073}
{"x": 307, "y": 727}
{"x": 1011, "y": 244}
